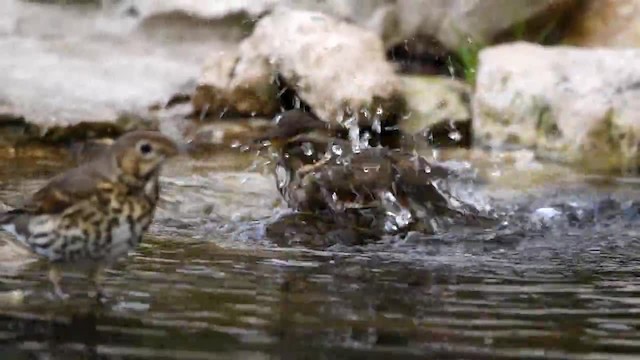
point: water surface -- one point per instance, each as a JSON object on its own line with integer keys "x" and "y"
{"x": 209, "y": 283}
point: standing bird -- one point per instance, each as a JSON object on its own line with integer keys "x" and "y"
{"x": 90, "y": 216}
{"x": 317, "y": 172}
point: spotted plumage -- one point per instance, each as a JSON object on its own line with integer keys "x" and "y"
{"x": 94, "y": 214}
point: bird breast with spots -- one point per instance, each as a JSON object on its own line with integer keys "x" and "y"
{"x": 103, "y": 227}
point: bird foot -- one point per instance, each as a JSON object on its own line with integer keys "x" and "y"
{"x": 61, "y": 295}
{"x": 99, "y": 296}
{"x": 55, "y": 276}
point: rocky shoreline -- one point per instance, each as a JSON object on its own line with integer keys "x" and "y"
{"x": 539, "y": 78}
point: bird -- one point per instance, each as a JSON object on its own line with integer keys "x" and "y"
{"x": 90, "y": 216}
{"x": 382, "y": 189}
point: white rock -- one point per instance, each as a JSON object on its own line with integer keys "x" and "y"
{"x": 569, "y": 103}
{"x": 64, "y": 66}
{"x": 332, "y": 65}
{"x": 201, "y": 9}
{"x": 434, "y": 100}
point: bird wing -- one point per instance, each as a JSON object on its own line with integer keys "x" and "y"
{"x": 63, "y": 191}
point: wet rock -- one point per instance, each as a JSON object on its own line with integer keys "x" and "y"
{"x": 233, "y": 84}
{"x": 314, "y": 231}
{"x": 569, "y": 104}
{"x": 606, "y": 23}
{"x": 338, "y": 69}
{"x": 439, "y": 110}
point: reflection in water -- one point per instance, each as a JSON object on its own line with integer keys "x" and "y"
{"x": 207, "y": 282}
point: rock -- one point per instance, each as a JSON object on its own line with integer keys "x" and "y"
{"x": 379, "y": 16}
{"x": 236, "y": 85}
{"x": 452, "y": 22}
{"x": 608, "y": 23}
{"x": 458, "y": 22}
{"x": 336, "y": 68}
{"x": 77, "y": 71}
{"x": 8, "y": 18}
{"x": 439, "y": 110}
{"x": 570, "y": 104}
{"x": 198, "y": 8}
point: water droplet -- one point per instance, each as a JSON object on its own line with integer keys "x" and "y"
{"x": 307, "y": 149}
{"x": 377, "y": 125}
{"x": 282, "y": 176}
{"x": 455, "y": 136}
{"x": 204, "y": 112}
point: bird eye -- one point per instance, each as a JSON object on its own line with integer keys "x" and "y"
{"x": 145, "y": 148}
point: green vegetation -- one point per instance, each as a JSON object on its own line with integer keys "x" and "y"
{"x": 468, "y": 60}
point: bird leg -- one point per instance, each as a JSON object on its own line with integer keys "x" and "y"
{"x": 97, "y": 276}
{"x": 55, "y": 276}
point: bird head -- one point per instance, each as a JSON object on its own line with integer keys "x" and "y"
{"x": 290, "y": 125}
{"x": 141, "y": 153}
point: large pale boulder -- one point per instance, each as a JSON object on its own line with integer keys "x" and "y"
{"x": 611, "y": 23}
{"x": 572, "y": 104}
{"x": 338, "y": 69}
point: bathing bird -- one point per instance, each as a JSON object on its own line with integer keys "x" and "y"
{"x": 388, "y": 190}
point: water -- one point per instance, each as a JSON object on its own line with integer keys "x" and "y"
{"x": 209, "y": 282}
{"x": 227, "y": 272}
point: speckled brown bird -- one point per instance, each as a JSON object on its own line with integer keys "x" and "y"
{"x": 316, "y": 171}
{"x": 90, "y": 216}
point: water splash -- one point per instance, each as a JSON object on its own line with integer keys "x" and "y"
{"x": 455, "y": 136}
{"x": 398, "y": 217}
{"x": 376, "y": 126}
{"x": 307, "y": 149}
